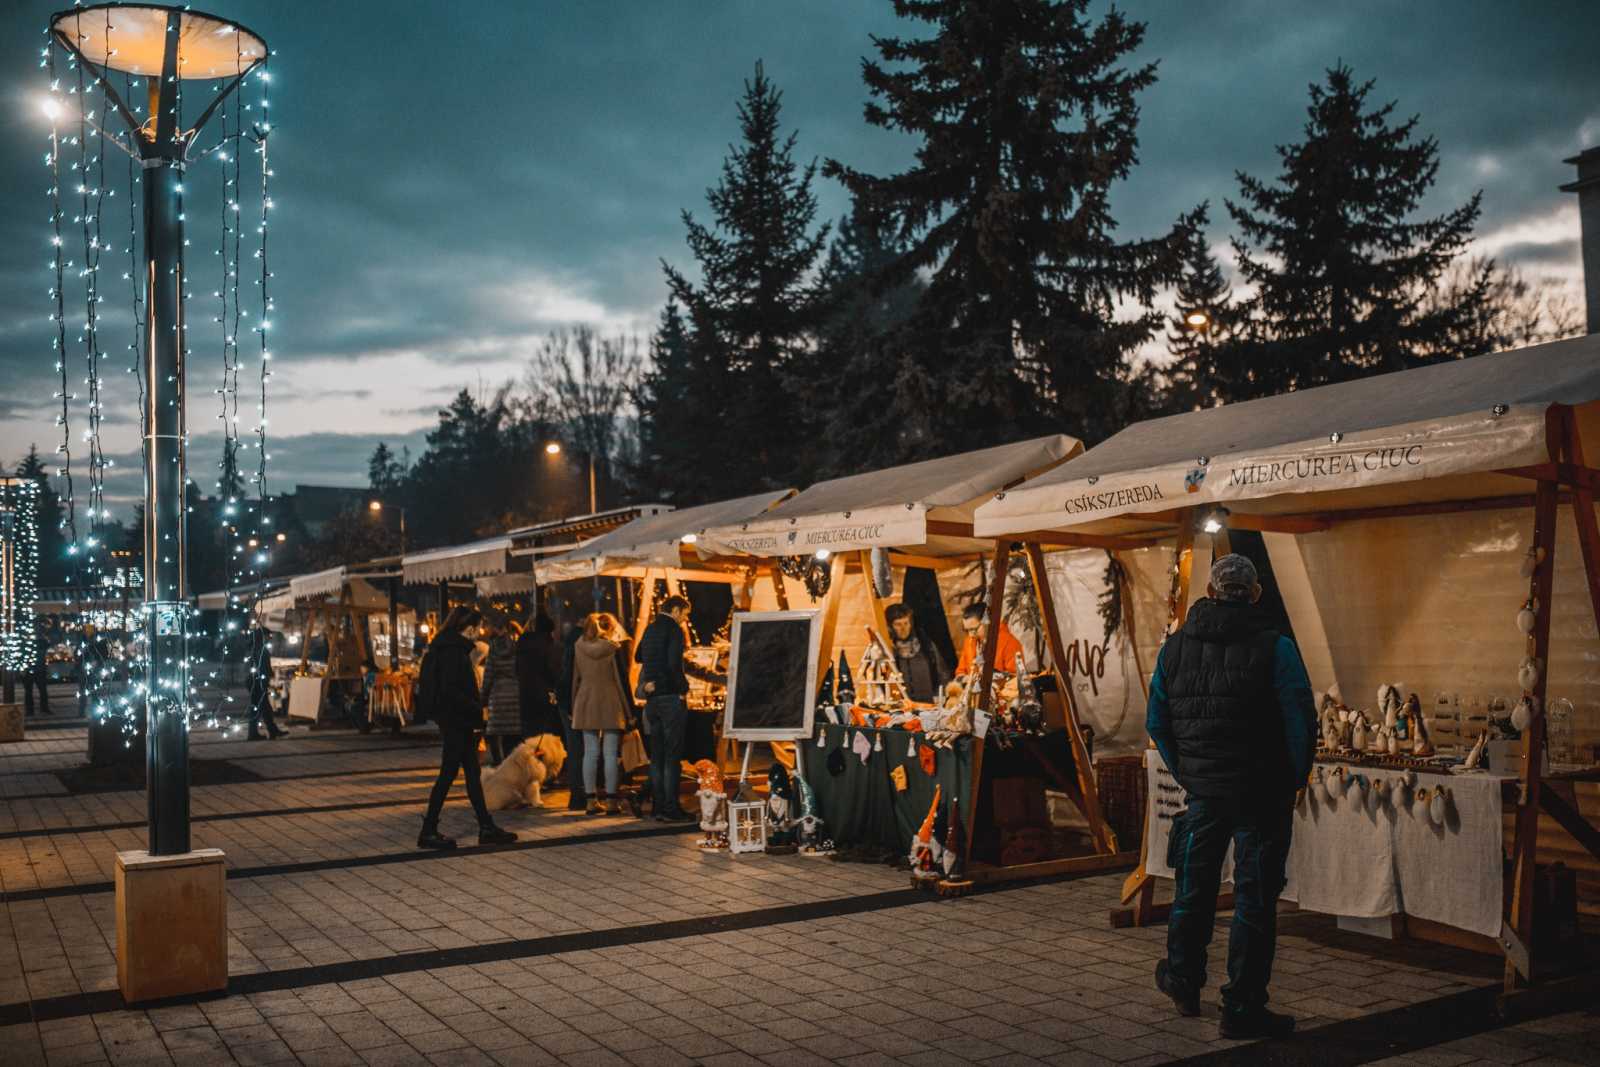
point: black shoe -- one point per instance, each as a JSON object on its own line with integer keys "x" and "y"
{"x": 434, "y": 839}
{"x": 635, "y": 805}
{"x": 1243, "y": 1025}
{"x": 1185, "y": 1000}
{"x": 493, "y": 835}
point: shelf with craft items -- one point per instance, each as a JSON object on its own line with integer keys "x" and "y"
{"x": 1389, "y": 508}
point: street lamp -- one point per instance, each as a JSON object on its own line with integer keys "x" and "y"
{"x": 376, "y": 507}
{"x": 165, "y": 46}
{"x": 1197, "y": 320}
{"x": 553, "y": 448}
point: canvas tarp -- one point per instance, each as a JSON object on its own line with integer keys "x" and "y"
{"x": 891, "y": 508}
{"x": 652, "y": 540}
{"x": 458, "y": 562}
{"x": 1445, "y": 425}
{"x": 319, "y": 584}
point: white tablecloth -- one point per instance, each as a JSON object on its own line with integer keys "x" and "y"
{"x": 1347, "y": 861}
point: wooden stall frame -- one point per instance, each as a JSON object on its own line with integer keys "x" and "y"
{"x": 1566, "y": 478}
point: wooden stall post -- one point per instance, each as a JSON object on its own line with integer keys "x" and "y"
{"x": 642, "y": 620}
{"x": 1583, "y": 511}
{"x": 879, "y": 619}
{"x": 830, "y": 614}
{"x": 1516, "y": 934}
{"x": 778, "y": 590}
{"x": 995, "y": 604}
{"x": 1088, "y": 794}
{"x": 1139, "y": 888}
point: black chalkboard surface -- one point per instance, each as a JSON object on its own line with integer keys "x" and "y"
{"x": 772, "y": 675}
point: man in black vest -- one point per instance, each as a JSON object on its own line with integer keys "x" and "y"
{"x": 1232, "y": 715}
{"x": 662, "y": 680}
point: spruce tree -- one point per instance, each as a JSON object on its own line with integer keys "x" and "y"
{"x": 753, "y": 310}
{"x": 1027, "y": 114}
{"x": 1199, "y": 332}
{"x": 54, "y": 565}
{"x": 1343, "y": 273}
{"x": 677, "y": 435}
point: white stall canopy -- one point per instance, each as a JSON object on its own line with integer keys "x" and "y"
{"x": 928, "y": 506}
{"x": 1429, "y": 434}
{"x": 653, "y": 540}
{"x": 475, "y": 559}
{"x": 319, "y": 584}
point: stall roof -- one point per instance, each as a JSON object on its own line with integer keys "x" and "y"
{"x": 579, "y": 527}
{"x": 471, "y": 560}
{"x": 1422, "y": 435}
{"x": 927, "y": 505}
{"x": 652, "y": 540}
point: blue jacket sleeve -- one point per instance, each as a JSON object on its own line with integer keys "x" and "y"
{"x": 1158, "y": 720}
{"x": 1299, "y": 709}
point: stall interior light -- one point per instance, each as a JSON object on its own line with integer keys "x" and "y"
{"x": 690, "y": 538}
{"x": 823, "y": 553}
{"x": 1215, "y": 521}
{"x": 553, "y": 448}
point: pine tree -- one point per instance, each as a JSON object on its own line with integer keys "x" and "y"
{"x": 386, "y": 472}
{"x": 1342, "y": 272}
{"x": 753, "y": 310}
{"x": 1199, "y": 332}
{"x": 677, "y": 438}
{"x": 857, "y": 363}
{"x": 1027, "y": 114}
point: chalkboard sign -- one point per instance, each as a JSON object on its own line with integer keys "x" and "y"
{"x": 772, "y": 675}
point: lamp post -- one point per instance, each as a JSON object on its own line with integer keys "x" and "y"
{"x": 554, "y": 449}
{"x": 376, "y": 508}
{"x": 144, "y": 41}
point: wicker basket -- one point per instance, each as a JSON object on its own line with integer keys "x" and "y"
{"x": 1122, "y": 796}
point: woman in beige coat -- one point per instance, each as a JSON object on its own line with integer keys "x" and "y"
{"x": 600, "y": 707}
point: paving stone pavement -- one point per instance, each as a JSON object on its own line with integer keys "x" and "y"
{"x": 589, "y": 943}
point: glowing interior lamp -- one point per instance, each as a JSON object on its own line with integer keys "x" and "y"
{"x": 822, "y": 553}
{"x": 1215, "y": 521}
{"x": 553, "y": 448}
{"x": 690, "y": 538}
{"x": 1197, "y": 319}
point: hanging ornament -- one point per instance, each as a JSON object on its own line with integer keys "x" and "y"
{"x": 1531, "y": 561}
{"x": 1528, "y": 673}
{"x": 1528, "y": 615}
{"x": 1522, "y": 714}
{"x": 1438, "y": 806}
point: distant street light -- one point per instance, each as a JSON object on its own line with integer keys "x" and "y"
{"x": 376, "y": 507}
{"x": 553, "y": 448}
{"x": 1198, "y": 320}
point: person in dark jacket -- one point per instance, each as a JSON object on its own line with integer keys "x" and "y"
{"x": 260, "y": 670}
{"x": 1231, "y": 714}
{"x": 661, "y": 677}
{"x": 577, "y": 799}
{"x": 917, "y": 657}
{"x": 538, "y": 675}
{"x": 38, "y": 675}
{"x": 448, "y": 688}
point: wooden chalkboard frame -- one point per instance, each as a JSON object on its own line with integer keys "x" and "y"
{"x": 814, "y": 641}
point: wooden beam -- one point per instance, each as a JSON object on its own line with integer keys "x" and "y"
{"x": 985, "y": 874}
{"x": 996, "y": 607}
{"x": 946, "y": 528}
{"x": 1573, "y": 472}
{"x": 1105, "y": 839}
{"x": 1571, "y": 820}
{"x": 778, "y": 587}
{"x": 1245, "y": 520}
{"x": 879, "y": 619}
{"x": 1111, "y": 543}
{"x": 830, "y": 616}
{"x": 1583, "y": 513}
{"x": 1184, "y": 552}
{"x": 932, "y": 563}
{"x": 1524, "y": 849}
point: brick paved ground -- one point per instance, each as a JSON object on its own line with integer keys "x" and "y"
{"x": 591, "y": 942}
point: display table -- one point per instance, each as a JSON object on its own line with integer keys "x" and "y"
{"x": 305, "y": 697}
{"x": 1348, "y": 860}
{"x": 391, "y": 697}
{"x": 860, "y": 806}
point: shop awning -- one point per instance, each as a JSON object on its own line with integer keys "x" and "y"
{"x": 458, "y": 562}
{"x": 928, "y": 506}
{"x": 319, "y": 584}
{"x": 653, "y": 540}
{"x": 1424, "y": 435}
{"x": 505, "y": 584}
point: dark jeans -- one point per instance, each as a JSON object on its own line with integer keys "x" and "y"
{"x": 41, "y": 680}
{"x": 1259, "y": 831}
{"x": 573, "y": 739}
{"x": 261, "y": 714}
{"x": 459, "y": 753}
{"x": 669, "y": 717}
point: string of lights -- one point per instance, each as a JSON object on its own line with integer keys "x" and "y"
{"x": 19, "y": 573}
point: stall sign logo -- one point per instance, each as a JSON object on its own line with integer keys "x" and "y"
{"x": 1084, "y": 503}
{"x": 1194, "y": 480}
{"x": 840, "y": 535}
{"x": 1334, "y": 465}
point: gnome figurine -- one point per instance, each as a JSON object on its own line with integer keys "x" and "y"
{"x": 955, "y": 847}
{"x": 780, "y": 802}
{"x": 713, "y": 807}
{"x": 810, "y": 823}
{"x": 825, "y": 692}
{"x": 927, "y": 853}
{"x": 844, "y": 686}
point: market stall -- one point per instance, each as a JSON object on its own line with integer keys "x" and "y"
{"x": 344, "y": 606}
{"x": 1417, "y": 526}
{"x": 846, "y": 545}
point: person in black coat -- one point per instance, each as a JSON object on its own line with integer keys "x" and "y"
{"x": 261, "y": 685}
{"x": 578, "y": 800}
{"x": 662, "y": 678}
{"x": 448, "y": 689}
{"x": 538, "y": 675}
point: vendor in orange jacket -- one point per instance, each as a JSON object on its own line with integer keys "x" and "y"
{"x": 975, "y": 622}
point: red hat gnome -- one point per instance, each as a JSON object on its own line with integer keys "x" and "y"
{"x": 713, "y": 806}
{"x": 926, "y": 851}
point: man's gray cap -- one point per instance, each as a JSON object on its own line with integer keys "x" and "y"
{"x": 1234, "y": 575}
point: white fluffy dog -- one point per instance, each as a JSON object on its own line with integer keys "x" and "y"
{"x": 519, "y": 781}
